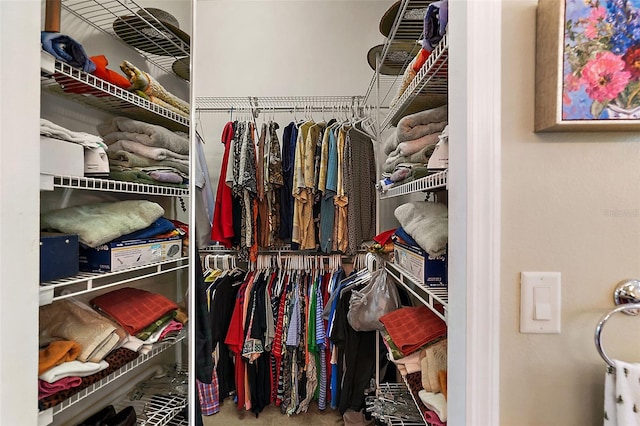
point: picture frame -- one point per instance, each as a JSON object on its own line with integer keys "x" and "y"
{"x": 587, "y": 66}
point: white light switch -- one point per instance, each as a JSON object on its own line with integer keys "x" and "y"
{"x": 540, "y": 302}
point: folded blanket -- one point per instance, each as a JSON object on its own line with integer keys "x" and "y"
{"x": 414, "y": 174}
{"x": 407, "y": 148}
{"x": 56, "y": 353}
{"x": 73, "y": 369}
{"x": 435, "y": 402}
{"x": 64, "y": 319}
{"x": 131, "y": 160}
{"x": 412, "y": 327}
{"x": 391, "y": 143}
{"x": 47, "y": 128}
{"x": 132, "y": 308}
{"x": 99, "y": 223}
{"x": 419, "y": 158}
{"x": 139, "y": 175}
{"x": 67, "y": 50}
{"x": 427, "y": 223}
{"x": 115, "y": 359}
{"x": 166, "y": 177}
{"x": 46, "y": 389}
{"x": 416, "y": 125}
{"x": 159, "y": 227}
{"x": 154, "y": 153}
{"x": 157, "y": 136}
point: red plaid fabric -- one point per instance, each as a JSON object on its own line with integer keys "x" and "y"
{"x": 208, "y": 395}
{"x": 412, "y": 327}
{"x": 132, "y": 308}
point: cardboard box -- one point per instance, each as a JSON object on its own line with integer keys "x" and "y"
{"x": 116, "y": 256}
{"x": 58, "y": 256}
{"x": 61, "y": 158}
{"x": 432, "y": 270}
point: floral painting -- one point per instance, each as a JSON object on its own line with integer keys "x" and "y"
{"x": 601, "y": 63}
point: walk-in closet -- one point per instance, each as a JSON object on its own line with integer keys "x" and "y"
{"x": 240, "y": 210}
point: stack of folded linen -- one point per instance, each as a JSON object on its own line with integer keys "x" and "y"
{"x": 145, "y": 153}
{"x": 82, "y": 344}
{"x": 410, "y": 146}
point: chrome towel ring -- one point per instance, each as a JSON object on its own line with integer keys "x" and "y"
{"x": 627, "y": 297}
{"x": 598, "y": 337}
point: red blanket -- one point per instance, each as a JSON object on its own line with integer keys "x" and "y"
{"x": 132, "y": 308}
{"x": 411, "y": 328}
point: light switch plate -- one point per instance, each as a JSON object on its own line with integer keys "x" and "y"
{"x": 540, "y": 302}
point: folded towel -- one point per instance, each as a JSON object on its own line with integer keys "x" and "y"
{"x": 56, "y": 353}
{"x": 159, "y": 227}
{"x": 157, "y": 136}
{"x": 427, "y": 223}
{"x": 75, "y": 321}
{"x": 400, "y": 174}
{"x": 108, "y": 75}
{"x": 131, "y": 160}
{"x": 67, "y": 50}
{"x": 132, "y": 308}
{"x": 416, "y": 125}
{"x": 73, "y": 369}
{"x": 622, "y": 394}
{"x": 99, "y": 223}
{"x": 140, "y": 175}
{"x": 154, "y": 153}
{"x": 435, "y": 24}
{"x": 434, "y": 402}
{"x": 47, "y": 128}
{"x": 166, "y": 177}
{"x": 408, "y": 364}
{"x": 412, "y": 327}
{"x": 46, "y": 389}
{"x": 408, "y": 148}
{"x": 434, "y": 361}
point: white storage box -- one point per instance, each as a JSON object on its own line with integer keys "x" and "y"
{"x": 61, "y": 158}
{"x": 116, "y": 256}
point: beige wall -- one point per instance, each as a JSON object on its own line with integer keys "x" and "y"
{"x": 570, "y": 203}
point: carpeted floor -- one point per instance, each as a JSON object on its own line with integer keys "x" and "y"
{"x": 229, "y": 415}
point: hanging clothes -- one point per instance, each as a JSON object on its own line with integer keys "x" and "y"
{"x": 222, "y": 226}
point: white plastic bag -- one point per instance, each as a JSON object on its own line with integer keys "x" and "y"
{"x": 376, "y": 299}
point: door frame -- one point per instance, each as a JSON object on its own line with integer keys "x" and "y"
{"x": 474, "y": 209}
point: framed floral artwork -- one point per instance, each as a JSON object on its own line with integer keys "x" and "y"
{"x": 588, "y": 65}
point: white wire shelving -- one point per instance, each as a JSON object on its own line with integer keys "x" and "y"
{"x": 63, "y": 80}
{"x": 87, "y": 282}
{"x": 428, "y": 183}
{"x": 84, "y": 393}
{"x": 395, "y": 405}
{"x": 127, "y": 22}
{"x": 48, "y": 182}
{"x": 430, "y": 83}
{"x": 434, "y": 298}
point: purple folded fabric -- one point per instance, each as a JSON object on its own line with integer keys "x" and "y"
{"x": 46, "y": 389}
{"x": 168, "y": 177}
